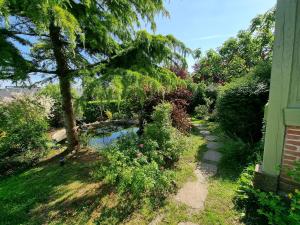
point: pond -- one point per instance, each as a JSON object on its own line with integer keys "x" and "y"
{"x": 103, "y": 140}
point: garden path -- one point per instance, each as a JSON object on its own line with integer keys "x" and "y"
{"x": 194, "y": 193}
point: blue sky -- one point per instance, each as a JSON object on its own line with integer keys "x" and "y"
{"x": 207, "y": 24}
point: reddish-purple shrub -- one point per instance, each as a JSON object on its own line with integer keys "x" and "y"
{"x": 180, "y": 100}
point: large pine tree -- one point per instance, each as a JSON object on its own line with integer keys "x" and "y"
{"x": 67, "y": 38}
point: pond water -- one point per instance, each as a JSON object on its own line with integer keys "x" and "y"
{"x": 106, "y": 139}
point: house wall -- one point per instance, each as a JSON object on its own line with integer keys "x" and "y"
{"x": 282, "y": 138}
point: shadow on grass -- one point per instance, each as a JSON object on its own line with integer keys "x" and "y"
{"x": 48, "y": 192}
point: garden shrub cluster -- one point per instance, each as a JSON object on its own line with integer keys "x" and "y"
{"x": 241, "y": 110}
{"x": 180, "y": 100}
{"x": 265, "y": 207}
{"x": 240, "y": 106}
{"x": 23, "y": 126}
{"x": 96, "y": 110}
{"x": 139, "y": 167}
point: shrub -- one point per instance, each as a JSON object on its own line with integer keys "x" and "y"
{"x": 23, "y": 125}
{"x": 133, "y": 173}
{"x": 137, "y": 166}
{"x": 239, "y": 153}
{"x": 295, "y": 171}
{"x": 265, "y": 207}
{"x": 170, "y": 142}
{"x": 210, "y": 96}
{"x": 180, "y": 99}
{"x": 240, "y": 108}
{"x": 96, "y": 110}
{"x": 201, "y": 111}
{"x": 109, "y": 114}
{"x": 198, "y": 91}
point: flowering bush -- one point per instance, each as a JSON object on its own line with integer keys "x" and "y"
{"x": 23, "y": 124}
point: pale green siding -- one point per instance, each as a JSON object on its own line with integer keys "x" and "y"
{"x": 284, "y": 97}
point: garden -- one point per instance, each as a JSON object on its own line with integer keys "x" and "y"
{"x": 119, "y": 126}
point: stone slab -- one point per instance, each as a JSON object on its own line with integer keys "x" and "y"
{"x": 212, "y": 156}
{"x": 59, "y": 135}
{"x": 214, "y": 145}
{"x": 157, "y": 219}
{"x": 208, "y": 169}
{"x": 204, "y": 132}
{"x": 194, "y": 193}
{"x": 211, "y": 138}
{"x": 200, "y": 126}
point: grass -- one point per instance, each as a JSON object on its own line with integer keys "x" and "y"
{"x": 50, "y": 194}
{"x": 53, "y": 194}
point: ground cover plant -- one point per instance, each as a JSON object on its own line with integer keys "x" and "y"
{"x": 265, "y": 207}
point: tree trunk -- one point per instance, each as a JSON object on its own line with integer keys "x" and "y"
{"x": 65, "y": 88}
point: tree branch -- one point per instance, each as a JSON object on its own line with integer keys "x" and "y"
{"x": 43, "y": 71}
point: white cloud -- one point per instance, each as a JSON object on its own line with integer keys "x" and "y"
{"x": 211, "y": 37}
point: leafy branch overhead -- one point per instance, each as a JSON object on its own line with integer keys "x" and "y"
{"x": 93, "y": 33}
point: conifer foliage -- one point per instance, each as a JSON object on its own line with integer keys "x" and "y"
{"x": 65, "y": 39}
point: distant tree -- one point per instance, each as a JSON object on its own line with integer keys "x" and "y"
{"x": 67, "y": 39}
{"x": 238, "y": 55}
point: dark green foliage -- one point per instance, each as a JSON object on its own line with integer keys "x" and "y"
{"x": 295, "y": 172}
{"x": 198, "y": 91}
{"x": 95, "y": 110}
{"x": 180, "y": 100}
{"x": 240, "y": 107}
{"x": 265, "y": 207}
{"x": 240, "y": 154}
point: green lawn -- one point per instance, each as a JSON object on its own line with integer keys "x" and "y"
{"x": 53, "y": 194}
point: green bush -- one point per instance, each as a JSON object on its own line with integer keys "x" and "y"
{"x": 198, "y": 91}
{"x": 23, "y": 126}
{"x": 239, "y": 153}
{"x": 133, "y": 173}
{"x": 295, "y": 172}
{"x": 138, "y": 166}
{"x": 265, "y": 207}
{"x": 240, "y": 108}
{"x": 201, "y": 111}
{"x": 96, "y": 110}
{"x": 170, "y": 141}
